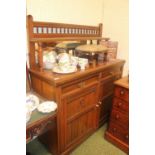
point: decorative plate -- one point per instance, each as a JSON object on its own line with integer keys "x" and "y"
{"x": 32, "y": 102}
{"x": 28, "y": 114}
{"x": 47, "y": 107}
{"x": 65, "y": 70}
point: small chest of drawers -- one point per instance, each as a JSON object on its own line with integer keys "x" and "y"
{"x": 118, "y": 127}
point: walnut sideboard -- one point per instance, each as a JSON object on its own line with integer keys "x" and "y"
{"x": 84, "y": 99}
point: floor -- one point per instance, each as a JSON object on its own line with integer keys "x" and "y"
{"x": 94, "y": 145}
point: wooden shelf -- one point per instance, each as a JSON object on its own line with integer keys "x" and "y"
{"x": 66, "y": 39}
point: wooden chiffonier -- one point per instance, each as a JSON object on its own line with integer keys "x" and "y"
{"x": 118, "y": 128}
{"x": 84, "y": 99}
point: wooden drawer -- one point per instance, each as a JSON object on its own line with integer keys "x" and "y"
{"x": 122, "y": 93}
{"x": 112, "y": 71}
{"x": 79, "y": 84}
{"x": 120, "y": 119}
{"x": 121, "y": 105}
{"x": 118, "y": 132}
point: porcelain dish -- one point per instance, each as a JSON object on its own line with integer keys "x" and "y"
{"x": 32, "y": 102}
{"x": 47, "y": 107}
{"x": 65, "y": 69}
{"x": 49, "y": 59}
{"x": 28, "y": 114}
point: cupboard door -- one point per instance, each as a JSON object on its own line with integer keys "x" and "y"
{"x": 105, "y": 99}
{"x": 105, "y": 107}
{"x": 80, "y": 115}
{"x": 80, "y": 127}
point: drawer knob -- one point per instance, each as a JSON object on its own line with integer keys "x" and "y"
{"x": 122, "y": 92}
{"x": 100, "y": 102}
{"x": 114, "y": 129}
{"x": 119, "y": 104}
{"x": 97, "y": 105}
{"x": 117, "y": 116}
{"x": 127, "y": 136}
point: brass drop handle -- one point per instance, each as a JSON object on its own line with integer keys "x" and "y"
{"x": 122, "y": 92}
{"x": 117, "y": 116}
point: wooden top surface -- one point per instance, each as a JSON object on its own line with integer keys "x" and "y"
{"x": 58, "y": 79}
{"x": 124, "y": 82}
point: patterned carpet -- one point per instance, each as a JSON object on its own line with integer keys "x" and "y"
{"x": 94, "y": 145}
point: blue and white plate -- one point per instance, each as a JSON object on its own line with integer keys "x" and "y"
{"x": 32, "y": 102}
{"x": 47, "y": 107}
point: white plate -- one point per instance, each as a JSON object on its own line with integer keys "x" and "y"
{"x": 32, "y": 102}
{"x": 28, "y": 114}
{"x": 71, "y": 69}
{"x": 47, "y": 106}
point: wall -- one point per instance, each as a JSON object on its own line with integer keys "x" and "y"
{"x": 113, "y": 14}
{"x": 115, "y": 20}
{"x": 66, "y": 11}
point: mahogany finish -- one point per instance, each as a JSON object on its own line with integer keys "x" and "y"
{"x": 118, "y": 129}
{"x": 84, "y": 97}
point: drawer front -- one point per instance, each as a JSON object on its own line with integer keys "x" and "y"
{"x": 78, "y": 103}
{"x": 106, "y": 87}
{"x": 117, "y": 70}
{"x": 79, "y": 84}
{"x": 122, "y": 93}
{"x": 121, "y": 105}
{"x": 118, "y": 132}
{"x": 120, "y": 118}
